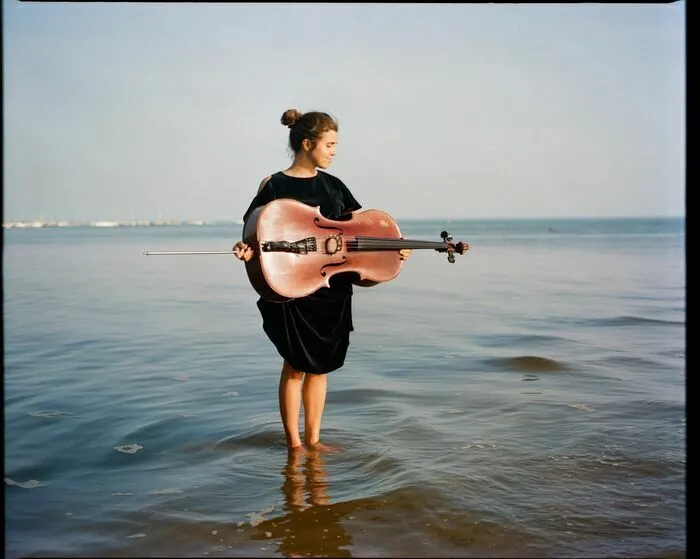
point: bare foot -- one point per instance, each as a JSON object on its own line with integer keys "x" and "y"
{"x": 321, "y": 447}
{"x": 295, "y": 451}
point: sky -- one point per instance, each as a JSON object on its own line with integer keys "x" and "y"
{"x": 119, "y": 111}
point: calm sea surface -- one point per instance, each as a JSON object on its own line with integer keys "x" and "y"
{"x": 526, "y": 401}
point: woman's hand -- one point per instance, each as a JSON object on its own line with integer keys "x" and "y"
{"x": 404, "y": 253}
{"x": 242, "y": 251}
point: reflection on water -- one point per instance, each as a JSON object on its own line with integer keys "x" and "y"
{"x": 310, "y": 525}
{"x": 305, "y": 485}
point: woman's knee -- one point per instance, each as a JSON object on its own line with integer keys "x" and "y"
{"x": 291, "y": 372}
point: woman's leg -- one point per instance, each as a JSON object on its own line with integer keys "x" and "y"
{"x": 314, "y": 394}
{"x": 291, "y": 382}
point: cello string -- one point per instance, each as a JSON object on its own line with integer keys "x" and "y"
{"x": 393, "y": 244}
{"x": 392, "y": 240}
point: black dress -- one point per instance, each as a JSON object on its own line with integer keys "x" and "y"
{"x": 311, "y": 333}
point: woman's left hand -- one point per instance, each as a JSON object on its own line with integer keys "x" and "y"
{"x": 404, "y": 253}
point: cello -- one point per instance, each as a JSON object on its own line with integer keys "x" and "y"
{"x": 297, "y": 250}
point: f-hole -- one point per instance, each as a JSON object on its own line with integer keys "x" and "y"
{"x": 332, "y": 264}
{"x": 318, "y": 224}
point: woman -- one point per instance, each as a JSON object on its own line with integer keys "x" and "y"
{"x": 311, "y": 333}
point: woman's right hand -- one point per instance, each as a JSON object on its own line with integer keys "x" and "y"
{"x": 242, "y": 251}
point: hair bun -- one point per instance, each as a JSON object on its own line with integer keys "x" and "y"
{"x": 290, "y": 116}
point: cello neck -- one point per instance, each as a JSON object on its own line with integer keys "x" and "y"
{"x": 381, "y": 243}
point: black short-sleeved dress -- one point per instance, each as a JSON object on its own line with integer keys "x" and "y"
{"x": 311, "y": 333}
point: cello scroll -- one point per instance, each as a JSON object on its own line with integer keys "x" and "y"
{"x": 450, "y": 248}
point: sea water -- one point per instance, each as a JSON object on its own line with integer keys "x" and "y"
{"x": 525, "y": 400}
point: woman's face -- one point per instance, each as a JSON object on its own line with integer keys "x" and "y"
{"x": 324, "y": 151}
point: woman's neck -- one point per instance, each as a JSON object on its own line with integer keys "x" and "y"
{"x": 301, "y": 168}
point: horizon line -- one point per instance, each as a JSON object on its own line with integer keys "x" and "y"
{"x": 201, "y": 222}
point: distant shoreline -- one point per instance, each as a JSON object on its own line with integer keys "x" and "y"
{"x": 110, "y": 224}
{"x": 39, "y": 224}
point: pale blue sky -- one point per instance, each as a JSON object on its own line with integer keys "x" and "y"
{"x": 114, "y": 111}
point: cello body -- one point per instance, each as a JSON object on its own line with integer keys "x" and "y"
{"x": 280, "y": 275}
{"x": 297, "y": 250}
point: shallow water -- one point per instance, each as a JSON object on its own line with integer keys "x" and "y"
{"x": 527, "y": 400}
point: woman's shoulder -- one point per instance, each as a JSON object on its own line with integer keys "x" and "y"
{"x": 278, "y": 177}
{"x": 332, "y": 179}
{"x": 263, "y": 183}
{"x": 326, "y": 175}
